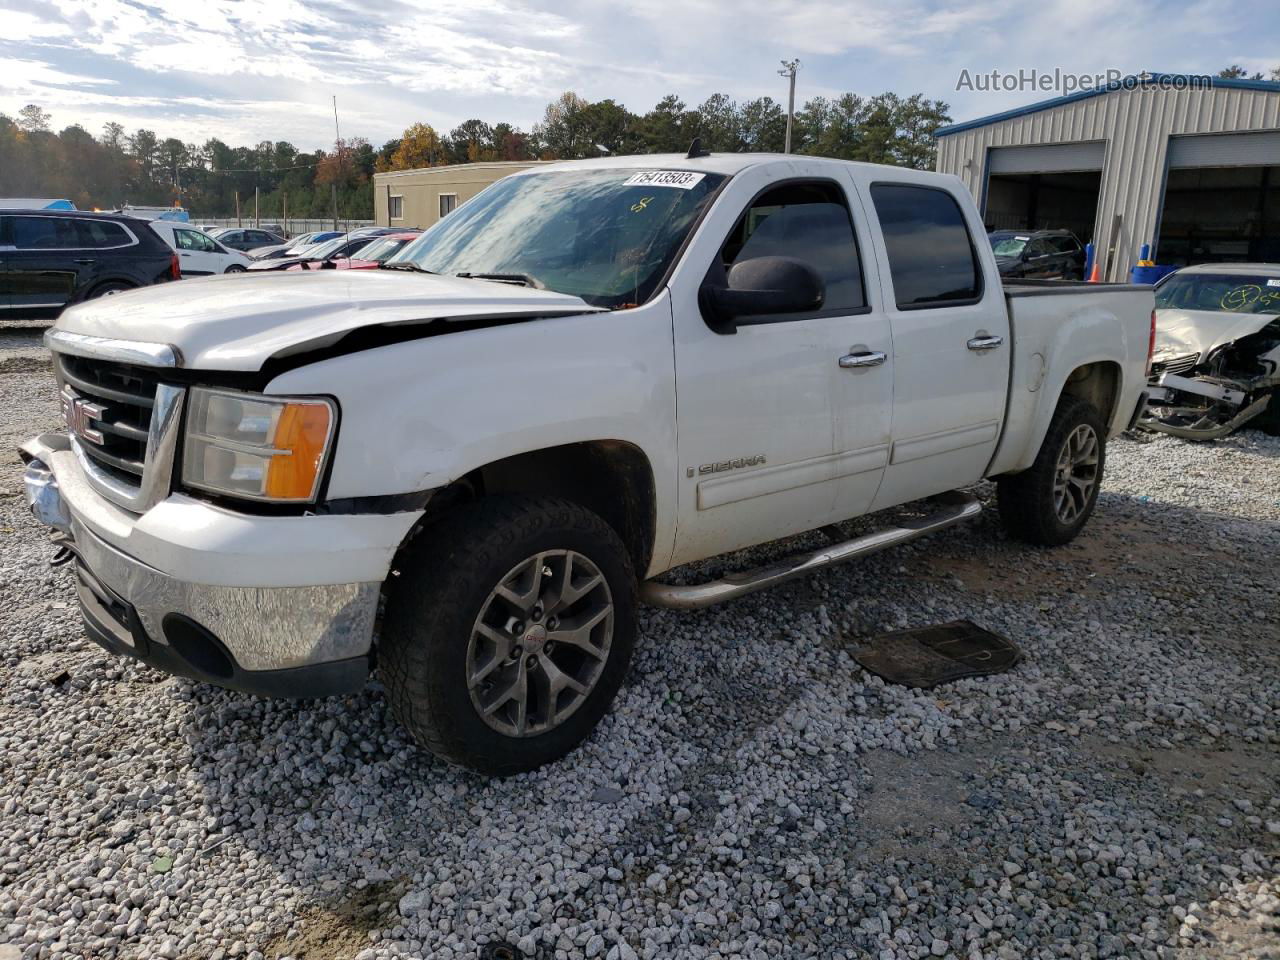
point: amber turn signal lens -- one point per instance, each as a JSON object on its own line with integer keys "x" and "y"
{"x": 301, "y": 435}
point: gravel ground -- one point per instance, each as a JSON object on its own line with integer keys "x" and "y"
{"x": 753, "y": 794}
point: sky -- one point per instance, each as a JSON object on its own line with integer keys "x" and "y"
{"x": 252, "y": 70}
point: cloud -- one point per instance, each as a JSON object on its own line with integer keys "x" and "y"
{"x": 247, "y": 70}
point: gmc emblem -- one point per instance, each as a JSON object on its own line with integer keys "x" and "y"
{"x": 80, "y": 414}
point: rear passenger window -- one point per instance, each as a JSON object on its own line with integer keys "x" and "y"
{"x": 810, "y": 222}
{"x": 931, "y": 257}
{"x": 44, "y": 233}
{"x": 101, "y": 233}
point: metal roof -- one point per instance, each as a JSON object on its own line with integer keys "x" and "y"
{"x": 1123, "y": 84}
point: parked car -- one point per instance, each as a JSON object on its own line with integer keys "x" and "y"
{"x": 317, "y": 256}
{"x": 50, "y": 259}
{"x": 481, "y": 450}
{"x": 378, "y": 252}
{"x": 198, "y": 253}
{"x": 1038, "y": 254}
{"x": 298, "y": 243}
{"x": 246, "y": 238}
{"x": 1216, "y": 363}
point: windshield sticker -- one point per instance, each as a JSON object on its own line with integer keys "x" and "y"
{"x": 1240, "y": 299}
{"x": 1022, "y": 238}
{"x": 681, "y": 179}
{"x": 641, "y": 204}
{"x": 1273, "y": 283}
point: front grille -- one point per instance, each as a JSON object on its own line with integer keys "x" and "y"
{"x": 108, "y": 408}
{"x": 1177, "y": 365}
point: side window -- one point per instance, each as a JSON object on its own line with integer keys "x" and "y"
{"x": 101, "y": 233}
{"x": 395, "y": 209}
{"x": 203, "y": 242}
{"x": 1065, "y": 244}
{"x": 1037, "y": 248}
{"x": 448, "y": 203}
{"x": 44, "y": 233}
{"x": 186, "y": 240}
{"x": 931, "y": 257}
{"x": 810, "y": 222}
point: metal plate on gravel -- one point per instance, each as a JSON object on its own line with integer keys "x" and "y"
{"x": 927, "y": 656}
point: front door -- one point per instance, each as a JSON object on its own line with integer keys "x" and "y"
{"x": 765, "y": 447}
{"x": 950, "y": 337}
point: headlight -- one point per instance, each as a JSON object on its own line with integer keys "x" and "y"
{"x": 260, "y": 448}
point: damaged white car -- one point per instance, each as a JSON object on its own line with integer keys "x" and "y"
{"x": 1216, "y": 361}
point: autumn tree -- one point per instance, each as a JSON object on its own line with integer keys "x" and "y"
{"x": 419, "y": 147}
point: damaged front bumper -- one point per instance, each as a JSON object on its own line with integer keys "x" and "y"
{"x": 1203, "y": 407}
{"x": 244, "y": 602}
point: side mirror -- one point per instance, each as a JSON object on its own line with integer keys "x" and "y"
{"x": 759, "y": 287}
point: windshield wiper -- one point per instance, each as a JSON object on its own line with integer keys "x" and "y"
{"x": 523, "y": 279}
{"x": 405, "y": 265}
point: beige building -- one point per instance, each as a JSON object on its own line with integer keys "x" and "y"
{"x": 418, "y": 198}
{"x": 1190, "y": 165}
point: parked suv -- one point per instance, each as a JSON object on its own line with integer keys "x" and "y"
{"x": 1038, "y": 254}
{"x": 52, "y": 258}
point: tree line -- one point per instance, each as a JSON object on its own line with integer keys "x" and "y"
{"x": 116, "y": 167}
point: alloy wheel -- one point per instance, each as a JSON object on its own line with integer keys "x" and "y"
{"x": 540, "y": 643}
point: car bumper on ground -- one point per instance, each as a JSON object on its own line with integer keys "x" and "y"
{"x": 280, "y": 606}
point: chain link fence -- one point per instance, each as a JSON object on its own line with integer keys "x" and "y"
{"x": 292, "y": 227}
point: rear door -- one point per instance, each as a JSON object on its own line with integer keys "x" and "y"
{"x": 197, "y": 253}
{"x": 950, "y": 335}
{"x": 46, "y": 264}
{"x": 6, "y": 248}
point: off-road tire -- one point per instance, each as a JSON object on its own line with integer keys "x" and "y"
{"x": 1026, "y": 499}
{"x": 445, "y": 576}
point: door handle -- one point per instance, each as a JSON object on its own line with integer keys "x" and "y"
{"x": 985, "y": 342}
{"x": 85, "y": 260}
{"x": 851, "y": 361}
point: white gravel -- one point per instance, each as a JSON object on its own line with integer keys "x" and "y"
{"x": 753, "y": 794}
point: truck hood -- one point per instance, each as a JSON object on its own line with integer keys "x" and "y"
{"x": 239, "y": 321}
{"x": 1180, "y": 333}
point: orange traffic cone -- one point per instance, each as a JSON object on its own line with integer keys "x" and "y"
{"x": 1095, "y": 275}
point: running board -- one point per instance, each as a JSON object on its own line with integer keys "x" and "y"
{"x": 955, "y": 508}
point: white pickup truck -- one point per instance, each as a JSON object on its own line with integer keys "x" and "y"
{"x": 466, "y": 469}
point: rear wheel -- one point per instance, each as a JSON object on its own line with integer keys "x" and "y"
{"x": 107, "y": 289}
{"x": 235, "y": 268}
{"x": 1050, "y": 502}
{"x": 508, "y": 631}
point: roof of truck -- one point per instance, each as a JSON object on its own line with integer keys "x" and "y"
{"x": 725, "y": 163}
{"x": 1232, "y": 269}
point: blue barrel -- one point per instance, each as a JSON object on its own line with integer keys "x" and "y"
{"x": 1149, "y": 275}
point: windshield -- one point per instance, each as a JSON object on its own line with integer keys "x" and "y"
{"x": 324, "y": 250}
{"x": 606, "y": 236}
{"x": 380, "y": 250}
{"x": 1221, "y": 292}
{"x": 1007, "y": 245}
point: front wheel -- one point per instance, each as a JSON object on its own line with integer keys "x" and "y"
{"x": 235, "y": 268}
{"x": 508, "y": 631}
{"x": 1050, "y": 502}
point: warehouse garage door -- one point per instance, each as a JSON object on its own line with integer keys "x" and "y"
{"x": 1221, "y": 199}
{"x": 1051, "y": 187}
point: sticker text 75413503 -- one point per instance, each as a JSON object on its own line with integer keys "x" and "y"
{"x": 682, "y": 179}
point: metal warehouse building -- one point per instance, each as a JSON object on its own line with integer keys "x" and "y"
{"x": 1190, "y": 165}
{"x": 418, "y": 198}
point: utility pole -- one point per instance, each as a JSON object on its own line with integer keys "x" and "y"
{"x": 256, "y": 221}
{"x": 789, "y": 68}
{"x": 337, "y": 145}
{"x": 238, "y": 223}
